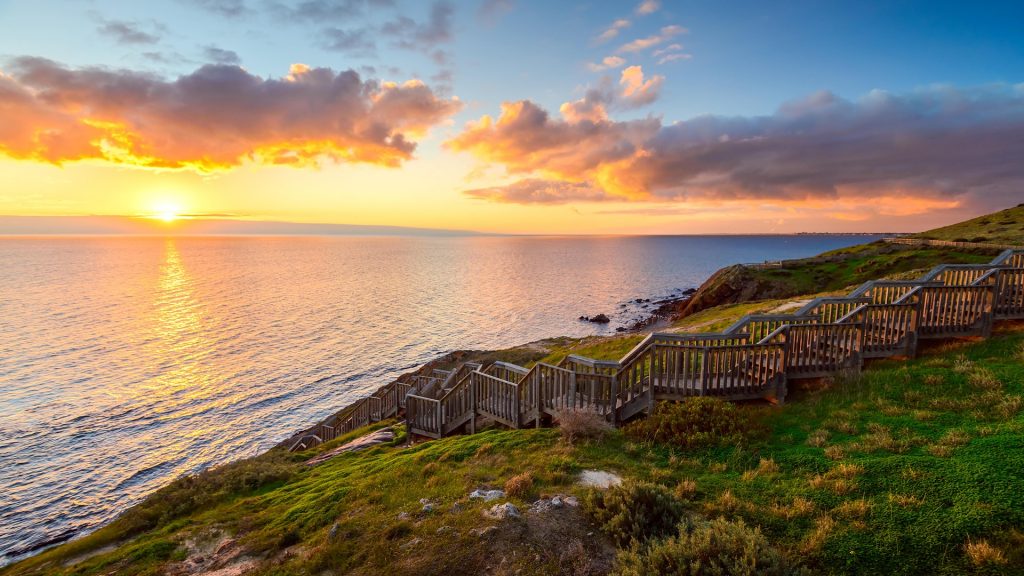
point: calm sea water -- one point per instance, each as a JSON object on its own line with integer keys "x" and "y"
{"x": 126, "y": 362}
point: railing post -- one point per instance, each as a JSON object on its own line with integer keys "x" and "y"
{"x": 615, "y": 398}
{"x": 472, "y": 402}
{"x": 990, "y": 306}
{"x": 515, "y": 407}
{"x": 535, "y": 390}
{"x": 704, "y": 372}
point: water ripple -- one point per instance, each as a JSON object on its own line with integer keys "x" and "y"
{"x": 125, "y": 362}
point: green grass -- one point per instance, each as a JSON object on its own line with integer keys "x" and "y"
{"x": 850, "y": 267}
{"x": 1004, "y": 227}
{"x": 892, "y": 472}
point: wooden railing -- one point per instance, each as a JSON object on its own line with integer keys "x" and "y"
{"x": 753, "y": 358}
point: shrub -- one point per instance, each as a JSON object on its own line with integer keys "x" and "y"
{"x": 519, "y": 485}
{"x": 635, "y": 511}
{"x": 695, "y": 423}
{"x": 582, "y": 425}
{"x": 715, "y": 548}
{"x": 981, "y": 553}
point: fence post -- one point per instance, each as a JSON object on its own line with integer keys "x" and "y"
{"x": 704, "y": 372}
{"x": 535, "y": 389}
{"x": 990, "y": 307}
{"x": 515, "y": 407}
{"x": 472, "y": 402}
{"x": 615, "y": 398}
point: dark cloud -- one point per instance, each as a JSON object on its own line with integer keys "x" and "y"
{"x": 124, "y": 32}
{"x": 536, "y": 191}
{"x": 320, "y": 11}
{"x": 356, "y": 43}
{"x": 218, "y": 116}
{"x": 221, "y": 56}
{"x": 938, "y": 142}
{"x": 226, "y": 8}
{"x": 412, "y": 35}
{"x": 490, "y": 11}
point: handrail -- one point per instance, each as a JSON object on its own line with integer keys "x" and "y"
{"x": 883, "y": 317}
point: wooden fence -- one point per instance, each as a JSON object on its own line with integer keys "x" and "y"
{"x": 753, "y": 358}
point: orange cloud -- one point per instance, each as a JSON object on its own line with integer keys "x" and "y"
{"x": 214, "y": 118}
{"x": 636, "y": 91}
{"x": 892, "y": 155}
{"x": 525, "y": 139}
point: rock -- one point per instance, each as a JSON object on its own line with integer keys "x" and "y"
{"x": 555, "y": 502}
{"x": 456, "y": 508}
{"x": 411, "y": 543}
{"x": 502, "y": 511}
{"x": 487, "y": 495}
{"x": 481, "y": 532}
{"x": 599, "y": 479}
{"x": 428, "y": 507}
{"x": 689, "y": 292}
{"x": 333, "y": 534}
{"x": 404, "y": 516}
{"x": 447, "y": 530}
{"x": 621, "y": 329}
{"x": 599, "y": 319}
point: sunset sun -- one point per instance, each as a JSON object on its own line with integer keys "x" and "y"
{"x": 167, "y": 212}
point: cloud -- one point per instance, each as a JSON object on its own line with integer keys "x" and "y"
{"x": 217, "y": 117}
{"x": 226, "y": 8}
{"x": 320, "y": 11}
{"x": 641, "y": 44}
{"x": 220, "y": 55}
{"x": 636, "y": 91}
{"x": 490, "y": 11}
{"x": 605, "y": 64}
{"x": 648, "y": 7}
{"x": 357, "y": 43}
{"x": 411, "y": 35}
{"x": 674, "y": 57}
{"x": 670, "y": 53}
{"x": 525, "y": 139}
{"x": 532, "y": 191}
{"x": 938, "y": 144}
{"x": 130, "y": 33}
{"x": 612, "y": 31}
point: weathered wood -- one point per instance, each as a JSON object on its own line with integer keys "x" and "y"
{"x": 753, "y": 358}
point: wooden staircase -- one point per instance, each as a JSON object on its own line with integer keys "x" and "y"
{"x": 753, "y": 358}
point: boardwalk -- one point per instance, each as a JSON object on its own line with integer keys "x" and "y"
{"x": 754, "y": 358}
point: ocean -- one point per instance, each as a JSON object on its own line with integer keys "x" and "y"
{"x": 128, "y": 361}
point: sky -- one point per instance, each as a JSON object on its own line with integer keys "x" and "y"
{"x": 513, "y": 116}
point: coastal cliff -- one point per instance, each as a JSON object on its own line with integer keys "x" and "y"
{"x": 908, "y": 468}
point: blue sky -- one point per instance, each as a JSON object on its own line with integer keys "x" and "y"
{"x": 748, "y": 57}
{"x": 729, "y": 59}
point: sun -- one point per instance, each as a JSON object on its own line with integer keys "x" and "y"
{"x": 167, "y": 211}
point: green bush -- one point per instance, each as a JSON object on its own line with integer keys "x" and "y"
{"x": 696, "y": 423}
{"x": 716, "y": 548}
{"x": 635, "y": 511}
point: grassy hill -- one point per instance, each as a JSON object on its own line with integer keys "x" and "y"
{"x": 840, "y": 270}
{"x": 906, "y": 469}
{"x": 1004, "y": 227}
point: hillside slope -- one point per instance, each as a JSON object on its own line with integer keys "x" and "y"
{"x": 1003, "y": 227}
{"x": 911, "y": 468}
{"x": 839, "y": 270}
